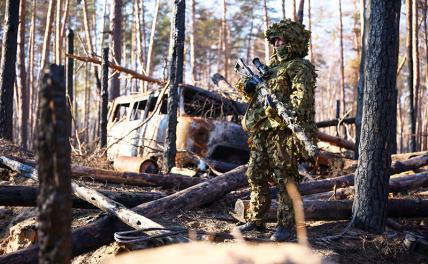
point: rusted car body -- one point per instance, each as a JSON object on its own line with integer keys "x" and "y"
{"x": 208, "y": 129}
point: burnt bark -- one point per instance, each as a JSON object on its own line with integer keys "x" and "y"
{"x": 7, "y": 68}
{"x": 175, "y": 78}
{"x": 54, "y": 199}
{"x": 374, "y": 164}
{"x": 69, "y": 73}
{"x": 104, "y": 99}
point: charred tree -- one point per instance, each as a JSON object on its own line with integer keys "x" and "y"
{"x": 104, "y": 99}
{"x": 7, "y": 68}
{"x": 374, "y": 164}
{"x": 192, "y": 41}
{"x": 69, "y": 76}
{"x": 176, "y": 59}
{"x": 54, "y": 200}
{"x": 116, "y": 31}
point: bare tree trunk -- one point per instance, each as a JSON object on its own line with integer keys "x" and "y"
{"x": 149, "y": 63}
{"x": 104, "y": 98}
{"x": 342, "y": 64}
{"x": 374, "y": 163}
{"x": 33, "y": 93}
{"x": 300, "y": 12}
{"x": 411, "y": 126}
{"x": 47, "y": 36}
{"x": 294, "y": 11}
{"x": 58, "y": 37}
{"x": 54, "y": 200}
{"x": 283, "y": 9}
{"x": 361, "y": 80}
{"x": 70, "y": 76}
{"x": 22, "y": 75}
{"x": 116, "y": 29}
{"x": 266, "y": 25}
{"x": 225, "y": 40}
{"x": 141, "y": 40}
{"x": 176, "y": 59}
{"x": 425, "y": 122}
{"x": 416, "y": 73}
{"x": 311, "y": 52}
{"x": 7, "y": 68}
{"x": 192, "y": 41}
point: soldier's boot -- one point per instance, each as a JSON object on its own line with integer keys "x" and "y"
{"x": 281, "y": 234}
{"x": 250, "y": 226}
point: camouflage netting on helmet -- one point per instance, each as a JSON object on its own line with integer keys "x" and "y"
{"x": 295, "y": 36}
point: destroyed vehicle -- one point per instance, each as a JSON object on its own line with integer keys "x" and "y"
{"x": 209, "y": 133}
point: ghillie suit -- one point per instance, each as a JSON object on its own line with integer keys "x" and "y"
{"x": 274, "y": 151}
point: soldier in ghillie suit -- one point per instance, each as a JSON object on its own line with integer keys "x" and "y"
{"x": 274, "y": 150}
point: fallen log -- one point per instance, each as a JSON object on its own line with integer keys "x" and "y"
{"x": 334, "y": 122}
{"x": 337, "y": 141}
{"x": 100, "y": 201}
{"x": 397, "y": 184}
{"x": 172, "y": 181}
{"x": 12, "y": 195}
{"x": 348, "y": 180}
{"x": 316, "y": 210}
{"x": 101, "y": 231}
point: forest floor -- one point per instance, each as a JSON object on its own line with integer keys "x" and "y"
{"x": 355, "y": 247}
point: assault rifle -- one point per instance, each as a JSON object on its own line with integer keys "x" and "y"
{"x": 272, "y": 101}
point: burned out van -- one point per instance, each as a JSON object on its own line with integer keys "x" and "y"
{"x": 208, "y": 129}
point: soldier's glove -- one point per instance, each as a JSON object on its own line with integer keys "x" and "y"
{"x": 250, "y": 86}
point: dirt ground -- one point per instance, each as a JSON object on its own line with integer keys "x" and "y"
{"x": 355, "y": 247}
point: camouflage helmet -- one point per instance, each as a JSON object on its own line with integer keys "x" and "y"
{"x": 295, "y": 36}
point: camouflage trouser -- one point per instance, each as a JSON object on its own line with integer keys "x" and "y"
{"x": 272, "y": 156}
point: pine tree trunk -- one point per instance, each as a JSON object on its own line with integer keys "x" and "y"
{"x": 300, "y": 12}
{"x": 311, "y": 52}
{"x": 7, "y": 68}
{"x": 150, "y": 54}
{"x": 116, "y": 29}
{"x": 266, "y": 25}
{"x": 283, "y": 9}
{"x": 424, "y": 120}
{"x": 411, "y": 126}
{"x": 374, "y": 164}
{"x": 192, "y": 41}
{"x": 360, "y": 87}
{"x": 416, "y": 75}
{"x": 31, "y": 79}
{"x": 58, "y": 37}
{"x": 342, "y": 64}
{"x": 176, "y": 59}
{"x": 225, "y": 40}
{"x": 22, "y": 75}
{"x": 47, "y": 36}
{"x": 294, "y": 17}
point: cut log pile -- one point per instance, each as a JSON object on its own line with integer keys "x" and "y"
{"x": 326, "y": 199}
